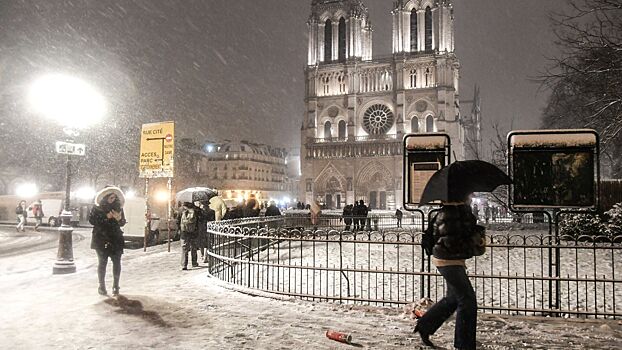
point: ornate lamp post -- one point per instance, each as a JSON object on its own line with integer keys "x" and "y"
{"x": 74, "y": 105}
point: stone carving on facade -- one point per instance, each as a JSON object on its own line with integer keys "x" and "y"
{"x": 421, "y": 106}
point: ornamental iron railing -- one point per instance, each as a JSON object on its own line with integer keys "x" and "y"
{"x": 288, "y": 255}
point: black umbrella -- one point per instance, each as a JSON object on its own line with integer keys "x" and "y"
{"x": 456, "y": 181}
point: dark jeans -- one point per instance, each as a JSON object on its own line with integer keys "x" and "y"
{"x": 102, "y": 257}
{"x": 189, "y": 245}
{"x": 461, "y": 297}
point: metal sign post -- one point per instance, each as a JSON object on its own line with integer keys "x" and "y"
{"x": 558, "y": 171}
{"x": 169, "y": 186}
{"x": 423, "y": 154}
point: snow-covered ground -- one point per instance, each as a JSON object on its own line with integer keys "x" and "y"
{"x": 172, "y": 309}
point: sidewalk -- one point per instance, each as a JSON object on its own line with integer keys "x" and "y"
{"x": 170, "y": 309}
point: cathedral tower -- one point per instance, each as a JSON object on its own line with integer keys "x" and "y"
{"x": 359, "y": 107}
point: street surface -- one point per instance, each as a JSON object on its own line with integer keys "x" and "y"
{"x": 165, "y": 308}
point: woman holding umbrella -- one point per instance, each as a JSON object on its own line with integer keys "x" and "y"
{"x": 452, "y": 237}
{"x": 107, "y": 219}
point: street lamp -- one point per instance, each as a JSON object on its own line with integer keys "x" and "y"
{"x": 74, "y": 105}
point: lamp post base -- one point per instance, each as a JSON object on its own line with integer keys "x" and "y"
{"x": 64, "y": 259}
{"x": 63, "y": 267}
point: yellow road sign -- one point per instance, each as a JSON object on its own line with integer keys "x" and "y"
{"x": 157, "y": 150}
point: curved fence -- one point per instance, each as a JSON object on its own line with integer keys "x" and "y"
{"x": 519, "y": 274}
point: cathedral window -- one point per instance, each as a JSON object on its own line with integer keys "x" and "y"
{"x": 414, "y": 124}
{"x": 429, "y": 124}
{"x": 342, "y": 130}
{"x": 342, "y": 84}
{"x": 326, "y": 85}
{"x": 413, "y": 78}
{"x": 413, "y": 30}
{"x": 428, "y": 77}
{"x": 327, "y": 130}
{"x": 378, "y": 119}
{"x": 328, "y": 41}
{"x": 428, "y": 29}
{"x": 342, "y": 39}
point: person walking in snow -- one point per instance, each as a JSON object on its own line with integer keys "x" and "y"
{"x": 452, "y": 237}
{"x": 22, "y": 214}
{"x": 188, "y": 223}
{"x": 398, "y": 216}
{"x": 107, "y": 218}
{"x": 37, "y": 213}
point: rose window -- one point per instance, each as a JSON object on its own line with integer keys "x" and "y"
{"x": 378, "y": 119}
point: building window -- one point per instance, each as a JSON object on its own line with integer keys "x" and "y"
{"x": 326, "y": 85}
{"x": 413, "y": 30}
{"x": 342, "y": 84}
{"x": 378, "y": 119}
{"x": 428, "y": 29}
{"x": 413, "y": 78}
{"x": 328, "y": 41}
{"x": 327, "y": 131}
{"x": 342, "y": 39}
{"x": 342, "y": 129}
{"x": 428, "y": 77}
{"x": 429, "y": 124}
{"x": 414, "y": 124}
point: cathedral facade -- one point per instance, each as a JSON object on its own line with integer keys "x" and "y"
{"x": 359, "y": 107}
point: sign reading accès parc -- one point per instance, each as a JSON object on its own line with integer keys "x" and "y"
{"x": 553, "y": 168}
{"x": 157, "y": 150}
{"x": 72, "y": 149}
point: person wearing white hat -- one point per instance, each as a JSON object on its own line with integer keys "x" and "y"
{"x": 107, "y": 218}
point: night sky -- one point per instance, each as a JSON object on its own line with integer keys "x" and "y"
{"x": 234, "y": 69}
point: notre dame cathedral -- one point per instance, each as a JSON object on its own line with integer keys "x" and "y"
{"x": 359, "y": 106}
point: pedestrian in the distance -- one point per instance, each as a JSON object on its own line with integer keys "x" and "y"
{"x": 37, "y": 213}
{"x": 315, "y": 211}
{"x": 107, "y": 218}
{"x": 347, "y": 216}
{"x": 252, "y": 207}
{"x": 22, "y": 214}
{"x": 273, "y": 210}
{"x": 487, "y": 213}
{"x": 188, "y": 224}
{"x": 207, "y": 214}
{"x": 454, "y": 236}
{"x": 398, "y": 216}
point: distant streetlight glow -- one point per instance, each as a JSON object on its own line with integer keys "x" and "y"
{"x": 162, "y": 196}
{"x": 130, "y": 194}
{"x": 85, "y": 193}
{"x": 27, "y": 190}
{"x": 67, "y": 100}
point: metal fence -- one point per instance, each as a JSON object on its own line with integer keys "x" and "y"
{"x": 517, "y": 275}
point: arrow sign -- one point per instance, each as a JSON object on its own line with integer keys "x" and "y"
{"x": 72, "y": 149}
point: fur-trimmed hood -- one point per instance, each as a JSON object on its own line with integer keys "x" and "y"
{"x": 108, "y": 190}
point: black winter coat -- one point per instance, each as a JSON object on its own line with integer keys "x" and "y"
{"x": 456, "y": 233}
{"x": 273, "y": 211}
{"x": 107, "y": 233}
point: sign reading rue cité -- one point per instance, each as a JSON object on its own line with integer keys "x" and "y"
{"x": 157, "y": 150}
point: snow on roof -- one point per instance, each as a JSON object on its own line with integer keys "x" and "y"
{"x": 426, "y": 142}
{"x": 558, "y": 138}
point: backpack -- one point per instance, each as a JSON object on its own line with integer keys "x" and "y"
{"x": 189, "y": 221}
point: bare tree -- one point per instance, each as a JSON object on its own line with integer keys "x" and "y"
{"x": 586, "y": 79}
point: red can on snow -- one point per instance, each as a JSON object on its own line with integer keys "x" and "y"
{"x": 339, "y": 336}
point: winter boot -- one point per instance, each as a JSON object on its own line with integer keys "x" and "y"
{"x": 102, "y": 290}
{"x": 115, "y": 291}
